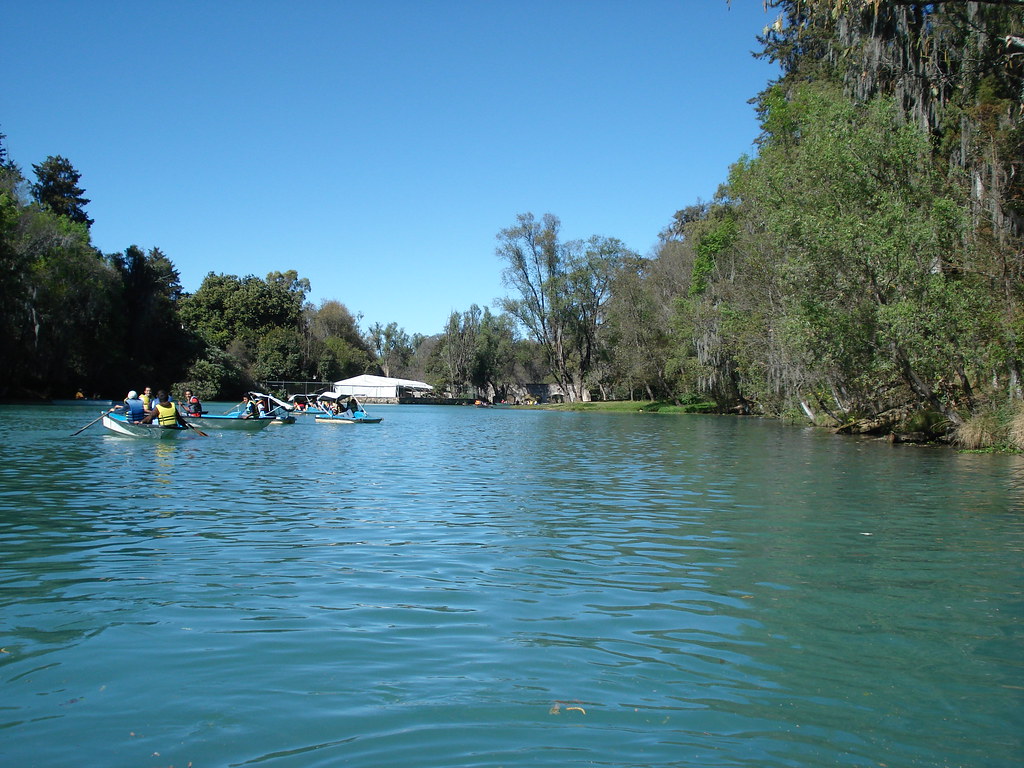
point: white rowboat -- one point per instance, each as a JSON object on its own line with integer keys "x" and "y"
{"x": 119, "y": 425}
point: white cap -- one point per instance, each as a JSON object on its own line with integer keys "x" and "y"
{"x": 132, "y": 394}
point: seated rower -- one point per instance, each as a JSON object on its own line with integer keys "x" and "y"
{"x": 134, "y": 410}
{"x": 249, "y": 410}
{"x": 165, "y": 413}
{"x": 192, "y": 405}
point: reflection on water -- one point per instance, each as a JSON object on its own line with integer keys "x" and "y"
{"x": 477, "y": 587}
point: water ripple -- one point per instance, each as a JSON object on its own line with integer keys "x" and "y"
{"x": 484, "y": 588}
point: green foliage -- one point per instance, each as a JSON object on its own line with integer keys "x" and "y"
{"x": 494, "y": 355}
{"x": 476, "y": 354}
{"x": 227, "y": 308}
{"x": 333, "y": 319}
{"x": 278, "y": 355}
{"x": 150, "y": 340}
{"x": 261, "y": 323}
{"x": 343, "y": 360}
{"x": 930, "y": 423}
{"x": 561, "y": 291}
{"x": 862, "y": 227}
{"x": 216, "y": 376}
{"x": 333, "y": 346}
{"x": 392, "y": 346}
{"x": 717, "y": 236}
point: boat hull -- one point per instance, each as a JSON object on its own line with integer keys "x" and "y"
{"x": 345, "y": 420}
{"x": 120, "y": 426}
{"x": 228, "y": 422}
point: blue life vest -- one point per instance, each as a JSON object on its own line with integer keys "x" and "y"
{"x": 134, "y": 410}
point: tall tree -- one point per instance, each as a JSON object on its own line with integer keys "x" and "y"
{"x": 10, "y": 174}
{"x": 154, "y": 345}
{"x": 57, "y": 189}
{"x": 561, "y": 292}
{"x": 334, "y": 347}
{"x": 456, "y": 350}
{"x": 392, "y": 346}
{"x": 13, "y": 258}
{"x": 635, "y": 340}
{"x": 494, "y": 355}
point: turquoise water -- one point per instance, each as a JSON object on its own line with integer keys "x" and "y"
{"x": 468, "y": 587}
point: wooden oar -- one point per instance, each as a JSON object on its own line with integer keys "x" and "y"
{"x": 92, "y": 422}
{"x": 190, "y": 425}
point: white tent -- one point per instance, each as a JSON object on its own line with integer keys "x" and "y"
{"x": 378, "y": 386}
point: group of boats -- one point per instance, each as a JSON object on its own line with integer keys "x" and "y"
{"x": 326, "y": 408}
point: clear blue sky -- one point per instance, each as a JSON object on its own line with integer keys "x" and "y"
{"x": 379, "y": 147}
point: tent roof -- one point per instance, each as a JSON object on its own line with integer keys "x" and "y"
{"x": 366, "y": 380}
{"x": 271, "y": 398}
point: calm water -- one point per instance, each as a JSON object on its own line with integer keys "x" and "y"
{"x": 466, "y": 587}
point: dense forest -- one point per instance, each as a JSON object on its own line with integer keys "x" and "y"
{"x": 861, "y": 270}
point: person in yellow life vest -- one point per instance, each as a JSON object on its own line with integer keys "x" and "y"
{"x": 148, "y": 401}
{"x": 165, "y": 413}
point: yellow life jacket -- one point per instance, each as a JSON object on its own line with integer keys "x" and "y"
{"x": 167, "y": 414}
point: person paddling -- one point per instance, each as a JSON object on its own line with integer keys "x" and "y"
{"x": 249, "y": 410}
{"x": 165, "y": 413}
{"x": 192, "y": 405}
{"x": 134, "y": 409}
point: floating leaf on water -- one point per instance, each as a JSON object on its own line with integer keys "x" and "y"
{"x": 556, "y": 708}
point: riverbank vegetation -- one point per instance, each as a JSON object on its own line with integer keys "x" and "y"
{"x": 862, "y": 270}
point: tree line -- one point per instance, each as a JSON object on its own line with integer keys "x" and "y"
{"x": 73, "y": 317}
{"x": 76, "y": 318}
{"x": 861, "y": 269}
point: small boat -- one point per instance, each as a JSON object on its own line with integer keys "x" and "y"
{"x": 305, "y": 405}
{"x": 118, "y": 424}
{"x": 271, "y": 408}
{"x": 233, "y": 422}
{"x": 335, "y": 419}
{"x": 328, "y": 403}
